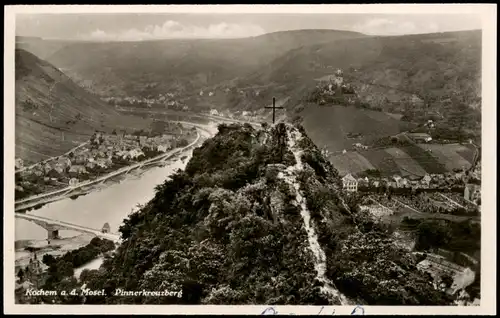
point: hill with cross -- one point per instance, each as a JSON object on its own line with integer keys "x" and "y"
{"x": 394, "y": 83}
{"x": 258, "y": 217}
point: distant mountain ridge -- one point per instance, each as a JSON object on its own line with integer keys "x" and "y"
{"x": 40, "y": 47}
{"x": 159, "y": 65}
{"x": 417, "y": 77}
{"x": 430, "y": 66}
{"x": 421, "y": 77}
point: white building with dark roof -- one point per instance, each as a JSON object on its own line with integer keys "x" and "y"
{"x": 349, "y": 183}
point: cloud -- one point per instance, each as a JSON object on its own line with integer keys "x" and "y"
{"x": 381, "y": 26}
{"x": 175, "y": 30}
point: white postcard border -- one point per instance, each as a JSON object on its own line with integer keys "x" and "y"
{"x": 488, "y": 239}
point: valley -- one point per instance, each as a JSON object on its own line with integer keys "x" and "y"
{"x": 371, "y": 172}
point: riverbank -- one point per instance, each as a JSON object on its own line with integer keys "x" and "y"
{"x": 85, "y": 187}
{"x": 56, "y": 248}
{"x": 103, "y": 204}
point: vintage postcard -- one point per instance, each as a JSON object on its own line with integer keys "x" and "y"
{"x": 250, "y": 159}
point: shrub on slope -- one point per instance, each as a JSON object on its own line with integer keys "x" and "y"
{"x": 227, "y": 230}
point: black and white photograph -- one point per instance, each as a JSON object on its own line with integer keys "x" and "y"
{"x": 262, "y": 157}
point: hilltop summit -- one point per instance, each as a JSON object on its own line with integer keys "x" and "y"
{"x": 258, "y": 217}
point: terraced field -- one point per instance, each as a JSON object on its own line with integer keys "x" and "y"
{"x": 382, "y": 161}
{"x": 451, "y": 155}
{"x": 426, "y": 160}
{"x": 406, "y": 164}
{"x": 406, "y": 161}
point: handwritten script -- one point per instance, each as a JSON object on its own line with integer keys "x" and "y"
{"x": 358, "y": 310}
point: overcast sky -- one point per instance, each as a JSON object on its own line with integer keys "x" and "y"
{"x": 127, "y": 26}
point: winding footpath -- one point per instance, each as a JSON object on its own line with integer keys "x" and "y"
{"x": 290, "y": 176}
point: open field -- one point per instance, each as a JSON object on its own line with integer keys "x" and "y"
{"x": 468, "y": 152}
{"x": 451, "y": 155}
{"x": 406, "y": 164}
{"x": 407, "y": 160}
{"x": 426, "y": 160}
{"x": 36, "y": 142}
{"x": 382, "y": 161}
{"x": 350, "y": 162}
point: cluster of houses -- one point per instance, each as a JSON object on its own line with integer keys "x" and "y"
{"x": 168, "y": 100}
{"x": 357, "y": 146}
{"x": 351, "y": 184}
{"x": 472, "y": 192}
{"x": 227, "y": 90}
{"x": 102, "y": 152}
{"x": 243, "y": 115}
{"x": 243, "y": 93}
{"x": 475, "y": 172}
{"x": 334, "y": 85}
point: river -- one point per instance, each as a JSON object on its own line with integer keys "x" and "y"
{"x": 111, "y": 204}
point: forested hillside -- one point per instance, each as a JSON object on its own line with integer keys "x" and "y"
{"x": 258, "y": 217}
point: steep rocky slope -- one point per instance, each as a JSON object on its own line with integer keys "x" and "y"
{"x": 257, "y": 217}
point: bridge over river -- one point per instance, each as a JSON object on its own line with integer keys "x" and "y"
{"x": 53, "y": 226}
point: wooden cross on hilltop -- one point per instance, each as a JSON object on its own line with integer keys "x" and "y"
{"x": 274, "y": 108}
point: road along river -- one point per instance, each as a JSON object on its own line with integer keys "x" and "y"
{"x": 111, "y": 204}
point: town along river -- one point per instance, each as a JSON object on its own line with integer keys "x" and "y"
{"x": 111, "y": 205}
